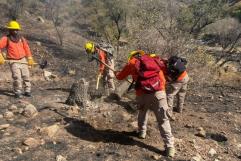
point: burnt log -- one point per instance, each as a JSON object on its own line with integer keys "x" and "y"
{"x": 78, "y": 94}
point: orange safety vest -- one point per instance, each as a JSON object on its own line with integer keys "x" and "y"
{"x": 15, "y": 50}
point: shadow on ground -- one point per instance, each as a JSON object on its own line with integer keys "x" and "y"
{"x": 6, "y": 92}
{"x": 85, "y": 131}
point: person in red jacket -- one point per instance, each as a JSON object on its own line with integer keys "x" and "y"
{"x": 18, "y": 52}
{"x": 155, "y": 101}
{"x": 106, "y": 57}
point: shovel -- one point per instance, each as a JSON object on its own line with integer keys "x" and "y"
{"x": 42, "y": 65}
{"x": 98, "y": 81}
{"x": 108, "y": 67}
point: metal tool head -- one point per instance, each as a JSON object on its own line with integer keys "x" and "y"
{"x": 43, "y": 64}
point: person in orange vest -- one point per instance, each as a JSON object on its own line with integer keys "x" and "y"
{"x": 19, "y": 57}
{"x": 179, "y": 78}
{"x": 104, "y": 55}
{"x": 150, "y": 95}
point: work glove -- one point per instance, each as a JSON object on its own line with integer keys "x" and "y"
{"x": 30, "y": 61}
{"x": 2, "y": 60}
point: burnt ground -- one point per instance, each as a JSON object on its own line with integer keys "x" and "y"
{"x": 106, "y": 131}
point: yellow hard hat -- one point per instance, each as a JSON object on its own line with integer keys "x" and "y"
{"x": 90, "y": 47}
{"x": 135, "y": 52}
{"x": 152, "y": 55}
{"x": 13, "y": 25}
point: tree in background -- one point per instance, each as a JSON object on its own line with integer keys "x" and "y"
{"x": 155, "y": 27}
{"x": 108, "y": 19}
{"x": 53, "y": 12}
{"x": 15, "y": 8}
{"x": 199, "y": 14}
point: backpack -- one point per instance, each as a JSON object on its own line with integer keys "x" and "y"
{"x": 176, "y": 66}
{"x": 148, "y": 69}
{"x": 108, "y": 48}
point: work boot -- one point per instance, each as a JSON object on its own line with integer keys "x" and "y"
{"x": 18, "y": 95}
{"x": 170, "y": 152}
{"x": 27, "y": 94}
{"x": 142, "y": 135}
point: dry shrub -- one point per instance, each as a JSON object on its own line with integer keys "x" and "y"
{"x": 201, "y": 67}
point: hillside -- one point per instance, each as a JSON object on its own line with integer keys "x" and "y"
{"x": 44, "y": 128}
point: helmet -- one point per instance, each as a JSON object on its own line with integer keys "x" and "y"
{"x": 90, "y": 47}
{"x": 152, "y": 55}
{"x": 13, "y": 25}
{"x": 135, "y": 52}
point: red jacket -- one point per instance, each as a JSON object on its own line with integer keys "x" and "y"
{"x": 130, "y": 69}
{"x": 15, "y": 50}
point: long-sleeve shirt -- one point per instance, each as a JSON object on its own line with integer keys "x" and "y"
{"x": 15, "y": 50}
{"x": 102, "y": 57}
{"x": 130, "y": 69}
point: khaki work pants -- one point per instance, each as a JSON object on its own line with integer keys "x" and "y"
{"x": 21, "y": 76}
{"x": 178, "y": 88}
{"x": 108, "y": 75}
{"x": 156, "y": 102}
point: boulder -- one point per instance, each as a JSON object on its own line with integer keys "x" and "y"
{"x": 60, "y": 158}
{"x": 201, "y": 132}
{"x": 8, "y": 115}
{"x": 13, "y": 108}
{"x": 197, "y": 158}
{"x": 18, "y": 150}
{"x": 212, "y": 152}
{"x": 50, "y": 130}
{"x": 4, "y": 126}
{"x": 32, "y": 142}
{"x": 73, "y": 110}
{"x": 155, "y": 157}
{"x": 30, "y": 111}
{"x": 38, "y": 43}
{"x": 40, "y": 19}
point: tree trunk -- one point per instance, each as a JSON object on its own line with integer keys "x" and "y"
{"x": 78, "y": 94}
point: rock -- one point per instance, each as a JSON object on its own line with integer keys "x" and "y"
{"x": 72, "y": 72}
{"x": 49, "y": 75}
{"x": 13, "y": 108}
{"x": 38, "y": 43}
{"x": 197, "y": 158}
{"x": 30, "y": 111}
{"x": 188, "y": 126}
{"x": 60, "y": 158}
{"x": 73, "y": 110}
{"x": 8, "y": 115}
{"x": 155, "y": 157}
{"x": 239, "y": 146}
{"x": 50, "y": 130}
{"x": 201, "y": 132}
{"x": 20, "y": 110}
{"x": 1, "y": 116}
{"x": 26, "y": 148}
{"x": 26, "y": 13}
{"x": 4, "y": 126}
{"x": 40, "y": 19}
{"x": 18, "y": 150}
{"x": 212, "y": 152}
{"x": 31, "y": 142}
